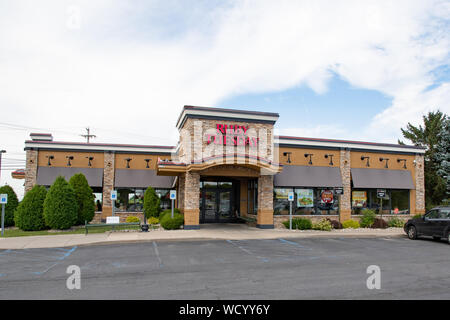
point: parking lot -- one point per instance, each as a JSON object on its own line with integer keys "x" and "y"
{"x": 312, "y": 268}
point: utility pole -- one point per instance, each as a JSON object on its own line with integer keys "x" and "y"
{"x": 1, "y": 152}
{"x": 88, "y": 135}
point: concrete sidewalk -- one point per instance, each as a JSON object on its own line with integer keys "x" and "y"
{"x": 211, "y": 231}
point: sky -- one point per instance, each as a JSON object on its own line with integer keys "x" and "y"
{"x": 357, "y": 70}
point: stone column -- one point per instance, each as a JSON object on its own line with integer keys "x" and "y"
{"x": 264, "y": 219}
{"x": 191, "y": 200}
{"x": 108, "y": 183}
{"x": 31, "y": 169}
{"x": 345, "y": 204}
{"x": 181, "y": 189}
{"x": 420, "y": 184}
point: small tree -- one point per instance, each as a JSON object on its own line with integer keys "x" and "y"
{"x": 151, "y": 203}
{"x": 11, "y": 206}
{"x": 60, "y": 205}
{"x": 84, "y": 196}
{"x": 443, "y": 155}
{"x": 29, "y": 215}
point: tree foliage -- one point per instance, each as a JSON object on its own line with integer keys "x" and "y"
{"x": 84, "y": 196}
{"x": 151, "y": 203}
{"x": 11, "y": 205}
{"x": 60, "y": 205}
{"x": 29, "y": 215}
{"x": 442, "y": 155}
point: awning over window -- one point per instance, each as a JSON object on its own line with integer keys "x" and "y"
{"x": 308, "y": 176}
{"x": 47, "y": 175}
{"x": 141, "y": 179}
{"x": 382, "y": 178}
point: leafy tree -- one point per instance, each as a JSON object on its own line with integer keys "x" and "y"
{"x": 29, "y": 215}
{"x": 151, "y": 203}
{"x": 442, "y": 155}
{"x": 84, "y": 196}
{"x": 11, "y": 206}
{"x": 60, "y": 205}
{"x": 428, "y": 136}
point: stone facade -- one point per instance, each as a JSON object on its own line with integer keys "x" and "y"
{"x": 191, "y": 200}
{"x": 31, "y": 169}
{"x": 345, "y": 205}
{"x": 265, "y": 201}
{"x": 420, "y": 184}
{"x": 108, "y": 183}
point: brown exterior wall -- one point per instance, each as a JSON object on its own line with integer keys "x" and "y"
{"x": 138, "y": 161}
{"x": 318, "y": 159}
{"x": 79, "y": 159}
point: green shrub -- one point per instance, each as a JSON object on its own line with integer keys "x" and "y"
{"x": 379, "y": 224}
{"x": 10, "y": 206}
{"x": 153, "y": 220}
{"x": 396, "y": 223}
{"x": 169, "y": 212}
{"x": 335, "y": 224}
{"x": 169, "y": 223}
{"x": 324, "y": 225}
{"x": 60, "y": 205}
{"x": 368, "y": 218}
{"x": 29, "y": 215}
{"x": 85, "y": 198}
{"x": 417, "y": 216}
{"x": 131, "y": 219}
{"x": 151, "y": 203}
{"x": 350, "y": 224}
{"x": 299, "y": 223}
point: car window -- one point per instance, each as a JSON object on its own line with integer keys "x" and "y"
{"x": 433, "y": 214}
{"x": 444, "y": 214}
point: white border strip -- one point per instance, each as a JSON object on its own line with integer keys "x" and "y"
{"x": 96, "y": 147}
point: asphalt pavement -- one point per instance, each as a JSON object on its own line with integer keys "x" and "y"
{"x": 294, "y": 268}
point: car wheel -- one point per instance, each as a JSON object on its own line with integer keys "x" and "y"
{"x": 412, "y": 233}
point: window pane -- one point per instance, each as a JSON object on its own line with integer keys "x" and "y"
{"x": 400, "y": 201}
{"x": 280, "y": 201}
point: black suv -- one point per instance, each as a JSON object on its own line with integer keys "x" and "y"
{"x": 435, "y": 223}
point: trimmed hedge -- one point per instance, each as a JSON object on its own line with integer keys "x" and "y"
{"x": 396, "y": 223}
{"x": 379, "y": 224}
{"x": 153, "y": 220}
{"x": 60, "y": 205}
{"x": 299, "y": 223}
{"x": 368, "y": 218}
{"x": 85, "y": 198}
{"x": 132, "y": 219}
{"x": 151, "y": 203}
{"x": 335, "y": 224}
{"x": 169, "y": 223}
{"x": 350, "y": 224}
{"x": 169, "y": 212}
{"x": 29, "y": 215}
{"x": 10, "y": 206}
{"x": 324, "y": 225}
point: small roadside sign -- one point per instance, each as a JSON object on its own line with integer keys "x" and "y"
{"x": 338, "y": 191}
{"x": 381, "y": 193}
{"x": 173, "y": 194}
{"x": 291, "y": 196}
{"x": 111, "y": 220}
{"x": 3, "y": 198}
{"x": 114, "y": 195}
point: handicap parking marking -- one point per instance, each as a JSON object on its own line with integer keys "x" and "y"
{"x": 59, "y": 259}
{"x": 233, "y": 242}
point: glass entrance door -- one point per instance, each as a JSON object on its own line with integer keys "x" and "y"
{"x": 216, "y": 205}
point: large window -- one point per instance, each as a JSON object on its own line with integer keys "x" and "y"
{"x": 132, "y": 199}
{"x": 307, "y": 201}
{"x": 394, "y": 202}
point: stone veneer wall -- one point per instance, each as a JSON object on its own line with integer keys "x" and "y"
{"x": 108, "y": 183}
{"x": 31, "y": 169}
{"x": 420, "y": 184}
{"x": 345, "y": 206}
{"x": 191, "y": 199}
{"x": 265, "y": 201}
{"x": 122, "y": 215}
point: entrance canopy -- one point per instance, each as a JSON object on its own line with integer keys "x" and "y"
{"x": 382, "y": 179}
{"x": 308, "y": 176}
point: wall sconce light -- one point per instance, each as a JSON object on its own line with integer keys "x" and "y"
{"x": 310, "y": 157}
{"x": 288, "y": 154}
{"x": 331, "y": 158}
{"x": 147, "y": 160}
{"x": 404, "y": 162}
{"x": 128, "y": 162}
{"x": 385, "y": 159}
{"x": 69, "y": 158}
{"x": 50, "y": 158}
{"x": 89, "y": 161}
{"x": 367, "y": 163}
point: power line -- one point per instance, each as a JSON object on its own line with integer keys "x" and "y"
{"x": 88, "y": 135}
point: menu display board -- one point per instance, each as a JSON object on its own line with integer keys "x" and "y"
{"x": 305, "y": 198}
{"x": 359, "y": 199}
{"x": 282, "y": 193}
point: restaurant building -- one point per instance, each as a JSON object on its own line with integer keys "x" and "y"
{"x": 228, "y": 164}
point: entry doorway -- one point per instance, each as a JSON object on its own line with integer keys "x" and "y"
{"x": 217, "y": 201}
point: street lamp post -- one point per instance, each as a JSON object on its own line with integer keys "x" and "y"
{"x": 1, "y": 152}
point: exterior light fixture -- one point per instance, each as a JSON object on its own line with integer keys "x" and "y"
{"x": 128, "y": 162}
{"x": 404, "y": 162}
{"x": 331, "y": 158}
{"x": 367, "y": 163}
{"x": 147, "y": 160}
{"x": 89, "y": 161}
{"x": 49, "y": 160}
{"x": 69, "y": 158}
{"x": 385, "y": 159}
{"x": 310, "y": 157}
{"x": 288, "y": 154}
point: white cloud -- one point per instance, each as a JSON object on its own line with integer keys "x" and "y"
{"x": 130, "y": 68}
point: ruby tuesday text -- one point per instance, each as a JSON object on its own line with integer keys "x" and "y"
{"x": 231, "y": 135}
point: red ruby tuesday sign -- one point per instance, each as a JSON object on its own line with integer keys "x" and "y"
{"x": 231, "y": 135}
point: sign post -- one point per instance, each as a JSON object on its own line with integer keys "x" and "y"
{"x": 381, "y": 193}
{"x": 113, "y": 200}
{"x": 291, "y": 199}
{"x": 3, "y": 201}
{"x": 173, "y": 196}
